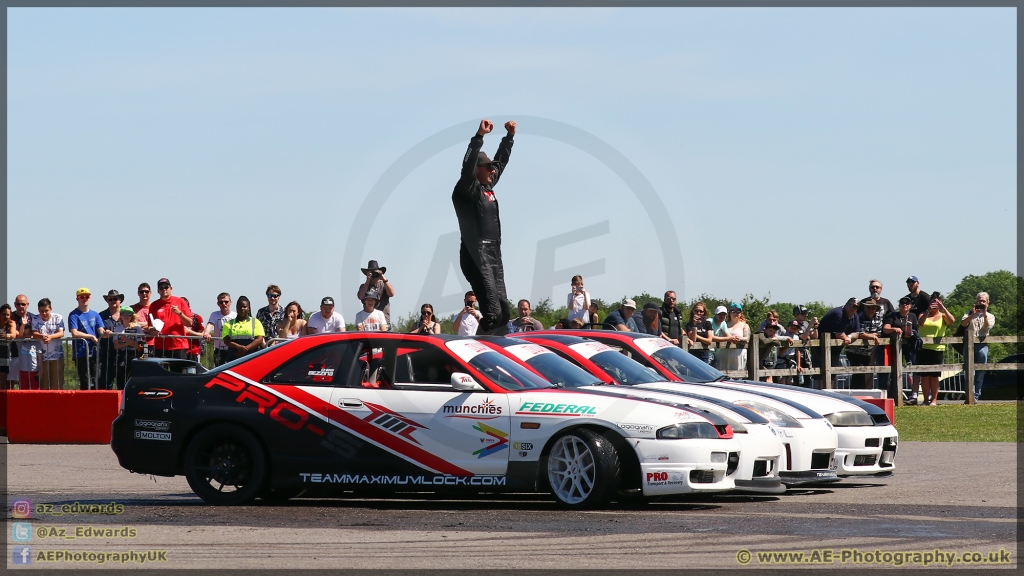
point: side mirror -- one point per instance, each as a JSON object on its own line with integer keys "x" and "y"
{"x": 466, "y": 383}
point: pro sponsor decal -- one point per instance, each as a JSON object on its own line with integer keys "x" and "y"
{"x": 384, "y": 479}
{"x": 284, "y": 413}
{"x": 549, "y": 409}
{"x": 392, "y": 422}
{"x": 638, "y": 428}
{"x": 156, "y": 393}
{"x": 671, "y": 478}
{"x": 153, "y": 424}
{"x": 150, "y": 435}
{"x": 485, "y": 410}
{"x": 496, "y": 440}
{"x": 588, "y": 349}
{"x": 467, "y": 349}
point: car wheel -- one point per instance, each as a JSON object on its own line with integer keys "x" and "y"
{"x": 583, "y": 469}
{"x": 225, "y": 465}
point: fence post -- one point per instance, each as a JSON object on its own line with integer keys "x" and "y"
{"x": 752, "y": 355}
{"x": 969, "y": 363}
{"x": 826, "y": 360}
{"x": 896, "y": 376}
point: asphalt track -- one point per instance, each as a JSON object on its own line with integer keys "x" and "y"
{"x": 952, "y": 496}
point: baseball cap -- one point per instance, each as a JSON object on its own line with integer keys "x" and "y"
{"x": 721, "y": 310}
{"x": 327, "y": 301}
{"x": 799, "y": 310}
{"x": 912, "y": 279}
{"x": 370, "y": 294}
{"x": 81, "y": 291}
{"x": 736, "y": 306}
{"x": 482, "y": 159}
{"x": 797, "y": 324}
{"x": 772, "y": 324}
{"x": 851, "y": 302}
{"x": 163, "y": 281}
{"x": 127, "y": 310}
{"x": 906, "y": 300}
{"x": 651, "y": 306}
{"x": 628, "y": 303}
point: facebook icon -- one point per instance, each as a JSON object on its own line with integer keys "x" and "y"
{"x": 21, "y": 554}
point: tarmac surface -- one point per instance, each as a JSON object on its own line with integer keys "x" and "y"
{"x": 957, "y": 497}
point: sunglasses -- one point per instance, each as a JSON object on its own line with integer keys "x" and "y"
{"x": 427, "y": 312}
{"x": 487, "y": 167}
{"x": 111, "y": 300}
{"x": 734, "y": 311}
{"x": 84, "y": 297}
{"x": 224, "y": 302}
{"x": 702, "y": 312}
{"x": 273, "y": 295}
{"x": 875, "y": 287}
{"x": 143, "y": 291}
{"x": 164, "y": 287}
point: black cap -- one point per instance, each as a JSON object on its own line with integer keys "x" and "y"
{"x": 797, "y": 324}
{"x": 906, "y": 300}
{"x": 482, "y": 159}
{"x": 327, "y": 301}
{"x": 163, "y": 281}
{"x": 851, "y": 302}
{"x": 651, "y": 306}
{"x": 799, "y": 309}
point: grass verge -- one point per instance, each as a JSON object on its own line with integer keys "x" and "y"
{"x": 959, "y": 423}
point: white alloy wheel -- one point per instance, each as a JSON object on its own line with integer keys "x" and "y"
{"x": 572, "y": 470}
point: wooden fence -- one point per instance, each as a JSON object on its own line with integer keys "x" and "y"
{"x": 755, "y": 371}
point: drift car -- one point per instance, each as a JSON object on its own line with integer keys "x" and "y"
{"x": 809, "y": 440}
{"x": 757, "y": 469}
{"x": 401, "y": 412}
{"x": 867, "y": 439}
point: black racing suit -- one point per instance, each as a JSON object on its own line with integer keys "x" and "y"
{"x": 480, "y": 254}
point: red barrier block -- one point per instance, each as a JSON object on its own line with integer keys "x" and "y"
{"x": 887, "y": 404}
{"x": 60, "y": 416}
{"x": 3, "y": 412}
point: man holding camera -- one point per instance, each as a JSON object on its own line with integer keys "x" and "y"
{"x": 979, "y": 321}
{"x": 477, "y": 210}
{"x": 468, "y": 320}
{"x": 376, "y": 281}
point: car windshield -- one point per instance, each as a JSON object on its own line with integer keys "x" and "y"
{"x": 625, "y": 371}
{"x": 237, "y": 361}
{"x": 559, "y": 371}
{"x": 685, "y": 365}
{"x": 506, "y": 372}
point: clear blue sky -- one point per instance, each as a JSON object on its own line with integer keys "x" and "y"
{"x": 230, "y": 148}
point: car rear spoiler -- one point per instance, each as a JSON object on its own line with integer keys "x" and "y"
{"x": 161, "y": 366}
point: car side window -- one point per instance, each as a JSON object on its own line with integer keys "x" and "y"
{"x": 327, "y": 365}
{"x": 424, "y": 367}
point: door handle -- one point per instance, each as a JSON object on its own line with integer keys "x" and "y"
{"x": 350, "y": 403}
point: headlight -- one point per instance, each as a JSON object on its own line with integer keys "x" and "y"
{"x": 850, "y": 419}
{"x": 688, "y": 430}
{"x": 718, "y": 457}
{"x": 775, "y": 416}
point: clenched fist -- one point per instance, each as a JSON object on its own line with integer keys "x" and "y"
{"x": 511, "y": 127}
{"x": 485, "y": 127}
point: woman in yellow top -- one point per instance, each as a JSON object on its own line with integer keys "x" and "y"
{"x": 242, "y": 334}
{"x": 932, "y": 324}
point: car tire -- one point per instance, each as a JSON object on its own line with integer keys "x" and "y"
{"x": 583, "y": 469}
{"x": 225, "y": 465}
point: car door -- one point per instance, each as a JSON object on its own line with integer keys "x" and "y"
{"x": 305, "y": 384}
{"x": 404, "y": 402}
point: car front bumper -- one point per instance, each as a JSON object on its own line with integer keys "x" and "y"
{"x": 683, "y": 466}
{"x": 866, "y": 450}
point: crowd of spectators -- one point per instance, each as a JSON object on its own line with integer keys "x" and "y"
{"x": 104, "y": 343}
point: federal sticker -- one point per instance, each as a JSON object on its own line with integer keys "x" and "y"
{"x": 466, "y": 350}
{"x": 147, "y": 435}
{"x": 526, "y": 351}
{"x": 651, "y": 345}
{"x": 588, "y": 349}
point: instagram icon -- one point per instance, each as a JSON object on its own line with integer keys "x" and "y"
{"x": 21, "y": 509}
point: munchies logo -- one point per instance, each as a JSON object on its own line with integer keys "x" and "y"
{"x": 478, "y": 412}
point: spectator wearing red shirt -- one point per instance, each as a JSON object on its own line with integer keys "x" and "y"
{"x": 141, "y": 309}
{"x": 175, "y": 315}
{"x": 195, "y": 350}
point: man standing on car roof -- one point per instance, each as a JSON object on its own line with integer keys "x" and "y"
{"x": 477, "y": 209}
